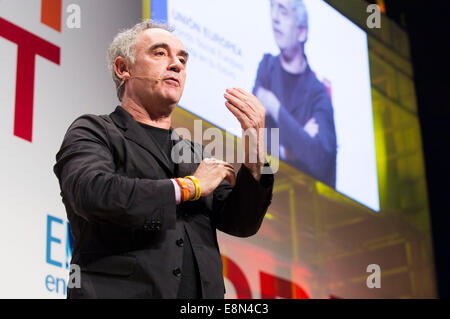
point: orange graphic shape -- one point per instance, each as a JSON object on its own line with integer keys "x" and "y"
{"x": 51, "y": 13}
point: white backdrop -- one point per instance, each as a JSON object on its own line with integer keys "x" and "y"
{"x": 29, "y": 190}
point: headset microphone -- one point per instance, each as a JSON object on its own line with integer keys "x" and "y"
{"x": 135, "y": 77}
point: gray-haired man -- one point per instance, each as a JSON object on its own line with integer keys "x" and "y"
{"x": 144, "y": 225}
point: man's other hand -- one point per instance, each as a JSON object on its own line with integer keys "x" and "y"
{"x": 211, "y": 172}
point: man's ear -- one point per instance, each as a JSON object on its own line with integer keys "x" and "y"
{"x": 303, "y": 34}
{"x": 121, "y": 67}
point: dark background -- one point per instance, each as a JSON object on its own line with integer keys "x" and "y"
{"x": 428, "y": 27}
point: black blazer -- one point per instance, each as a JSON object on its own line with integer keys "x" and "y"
{"x": 120, "y": 202}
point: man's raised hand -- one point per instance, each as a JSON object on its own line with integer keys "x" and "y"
{"x": 251, "y": 115}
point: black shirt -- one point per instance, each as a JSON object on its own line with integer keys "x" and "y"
{"x": 190, "y": 280}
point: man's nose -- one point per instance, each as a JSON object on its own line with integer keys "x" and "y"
{"x": 174, "y": 68}
{"x": 175, "y": 65}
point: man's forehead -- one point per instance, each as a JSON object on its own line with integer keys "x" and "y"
{"x": 157, "y": 35}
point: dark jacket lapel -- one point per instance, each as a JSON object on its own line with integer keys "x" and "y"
{"x": 194, "y": 157}
{"x": 134, "y": 132}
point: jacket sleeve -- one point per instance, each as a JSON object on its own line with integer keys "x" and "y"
{"x": 92, "y": 187}
{"x": 240, "y": 210}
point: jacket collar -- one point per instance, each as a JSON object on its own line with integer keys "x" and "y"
{"x": 134, "y": 132}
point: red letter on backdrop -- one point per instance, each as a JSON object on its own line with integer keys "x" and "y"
{"x": 272, "y": 287}
{"x": 237, "y": 277}
{"x": 28, "y": 46}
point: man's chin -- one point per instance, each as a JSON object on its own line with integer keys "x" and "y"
{"x": 173, "y": 99}
{"x": 173, "y": 106}
{"x": 162, "y": 105}
{"x": 171, "y": 103}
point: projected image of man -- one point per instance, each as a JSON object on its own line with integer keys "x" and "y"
{"x": 296, "y": 101}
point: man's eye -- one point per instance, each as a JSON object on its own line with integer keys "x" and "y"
{"x": 160, "y": 53}
{"x": 183, "y": 61}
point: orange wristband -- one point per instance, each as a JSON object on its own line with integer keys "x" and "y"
{"x": 184, "y": 189}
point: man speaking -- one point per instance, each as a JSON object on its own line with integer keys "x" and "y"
{"x": 143, "y": 223}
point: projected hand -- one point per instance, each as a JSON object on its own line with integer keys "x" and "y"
{"x": 251, "y": 114}
{"x": 311, "y": 127}
{"x": 269, "y": 101}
